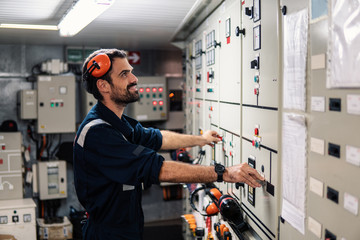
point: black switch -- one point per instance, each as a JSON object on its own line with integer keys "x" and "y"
{"x": 270, "y": 188}
{"x": 15, "y": 218}
{"x": 329, "y": 235}
{"x": 332, "y": 195}
{"x": 239, "y": 31}
{"x": 334, "y": 150}
{"x": 255, "y": 63}
{"x": 335, "y": 104}
{"x": 199, "y": 232}
{"x": 41, "y": 104}
{"x": 249, "y": 11}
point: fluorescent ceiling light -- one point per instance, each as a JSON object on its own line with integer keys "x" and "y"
{"x": 29, "y": 26}
{"x": 81, "y": 14}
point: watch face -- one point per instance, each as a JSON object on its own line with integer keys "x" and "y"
{"x": 219, "y": 168}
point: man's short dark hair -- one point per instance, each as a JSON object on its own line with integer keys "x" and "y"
{"x": 89, "y": 81}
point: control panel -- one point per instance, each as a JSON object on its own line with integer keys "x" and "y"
{"x": 11, "y": 186}
{"x": 18, "y": 218}
{"x": 153, "y": 103}
{"x": 56, "y": 104}
{"x": 88, "y": 101}
{"x": 27, "y": 104}
{"x": 273, "y": 78}
{"x": 52, "y": 179}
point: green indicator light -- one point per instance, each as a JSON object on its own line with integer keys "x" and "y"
{"x": 147, "y": 95}
{"x": 154, "y": 108}
{"x": 160, "y": 108}
{"x": 52, "y": 104}
{"x": 154, "y": 95}
{"x": 160, "y": 95}
{"x": 141, "y": 96}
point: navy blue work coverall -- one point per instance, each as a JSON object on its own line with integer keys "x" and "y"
{"x": 114, "y": 159}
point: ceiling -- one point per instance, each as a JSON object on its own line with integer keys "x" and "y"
{"x": 128, "y": 24}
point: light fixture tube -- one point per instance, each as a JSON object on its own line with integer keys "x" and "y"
{"x": 81, "y": 14}
{"x": 29, "y": 26}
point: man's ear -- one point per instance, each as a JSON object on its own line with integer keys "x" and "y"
{"x": 103, "y": 86}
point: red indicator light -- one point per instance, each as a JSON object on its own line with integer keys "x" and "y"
{"x": 253, "y": 143}
{"x": 161, "y": 102}
{"x": 154, "y": 103}
{"x": 256, "y": 131}
{"x": 1, "y": 161}
{"x": 161, "y": 89}
{"x": 147, "y": 89}
{"x": 154, "y": 89}
{"x": 141, "y": 90}
{"x": 3, "y": 147}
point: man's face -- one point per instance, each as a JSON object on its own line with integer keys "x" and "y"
{"x": 124, "y": 83}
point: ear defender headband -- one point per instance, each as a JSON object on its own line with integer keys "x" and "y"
{"x": 98, "y": 66}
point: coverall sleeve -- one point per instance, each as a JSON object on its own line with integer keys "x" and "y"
{"x": 147, "y": 137}
{"x": 121, "y": 161}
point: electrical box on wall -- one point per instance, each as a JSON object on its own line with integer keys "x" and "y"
{"x": 18, "y": 219}
{"x": 11, "y": 186}
{"x": 153, "y": 102}
{"x": 56, "y": 104}
{"x": 52, "y": 180}
{"x": 27, "y": 104}
{"x": 88, "y": 101}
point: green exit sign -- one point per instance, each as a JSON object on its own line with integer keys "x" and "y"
{"x": 75, "y": 55}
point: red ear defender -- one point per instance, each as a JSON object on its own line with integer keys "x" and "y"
{"x": 99, "y": 65}
{"x": 211, "y": 209}
{"x": 215, "y": 193}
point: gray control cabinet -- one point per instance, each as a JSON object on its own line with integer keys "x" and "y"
{"x": 56, "y": 104}
{"x": 52, "y": 179}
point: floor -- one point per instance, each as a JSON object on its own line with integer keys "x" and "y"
{"x": 163, "y": 230}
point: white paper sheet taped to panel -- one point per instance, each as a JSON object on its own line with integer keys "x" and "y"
{"x": 314, "y": 227}
{"x": 351, "y": 203}
{"x": 353, "y": 104}
{"x": 294, "y": 170}
{"x": 295, "y": 54}
{"x": 353, "y": 155}
{"x": 318, "y": 61}
{"x": 318, "y": 104}
{"x": 316, "y": 186}
{"x": 344, "y": 44}
{"x": 317, "y": 145}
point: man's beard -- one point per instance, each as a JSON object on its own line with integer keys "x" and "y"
{"x": 124, "y": 97}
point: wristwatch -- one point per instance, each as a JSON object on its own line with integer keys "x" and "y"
{"x": 219, "y": 169}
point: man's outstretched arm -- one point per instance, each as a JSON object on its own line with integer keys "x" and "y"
{"x": 178, "y": 172}
{"x": 173, "y": 140}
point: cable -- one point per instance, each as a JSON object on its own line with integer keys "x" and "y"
{"x": 43, "y": 146}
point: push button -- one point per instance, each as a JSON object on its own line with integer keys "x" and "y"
{"x": 15, "y": 218}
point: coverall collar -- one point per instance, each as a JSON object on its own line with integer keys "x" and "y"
{"x": 120, "y": 124}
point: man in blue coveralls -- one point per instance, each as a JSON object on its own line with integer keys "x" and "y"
{"x": 115, "y": 157}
